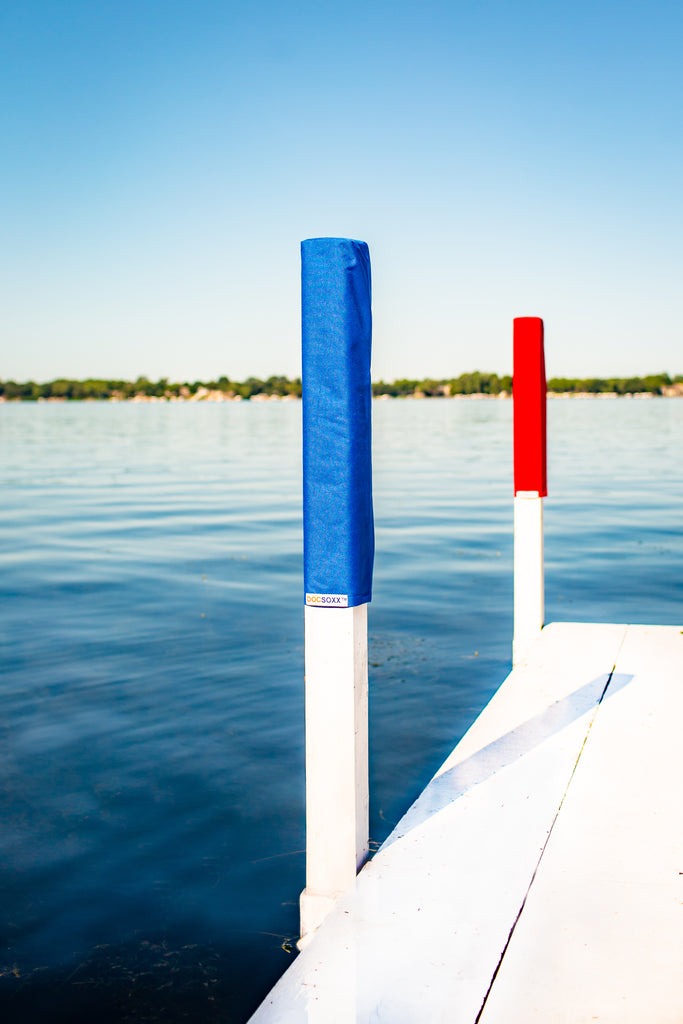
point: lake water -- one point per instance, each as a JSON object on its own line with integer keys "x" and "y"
{"x": 151, "y": 700}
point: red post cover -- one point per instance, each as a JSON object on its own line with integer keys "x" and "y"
{"x": 529, "y": 401}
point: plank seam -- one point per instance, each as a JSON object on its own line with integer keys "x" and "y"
{"x": 550, "y": 832}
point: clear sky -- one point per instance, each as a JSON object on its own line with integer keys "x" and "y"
{"x": 162, "y": 159}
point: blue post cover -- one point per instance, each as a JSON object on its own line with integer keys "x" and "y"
{"x": 336, "y": 321}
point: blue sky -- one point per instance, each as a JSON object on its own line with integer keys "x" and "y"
{"x": 162, "y": 159}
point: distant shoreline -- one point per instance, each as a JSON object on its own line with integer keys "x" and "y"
{"x": 219, "y": 399}
{"x": 474, "y": 386}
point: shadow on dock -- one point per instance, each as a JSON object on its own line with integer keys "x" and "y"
{"x": 453, "y": 783}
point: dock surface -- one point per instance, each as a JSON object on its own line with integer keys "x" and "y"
{"x": 539, "y": 876}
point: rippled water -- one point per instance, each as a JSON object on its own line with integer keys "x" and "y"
{"x": 151, "y": 702}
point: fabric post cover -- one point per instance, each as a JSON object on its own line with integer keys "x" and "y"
{"x": 337, "y": 397}
{"x": 529, "y": 406}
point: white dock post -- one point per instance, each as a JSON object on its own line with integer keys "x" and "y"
{"x": 529, "y": 597}
{"x": 337, "y": 795}
{"x": 529, "y": 397}
{"x": 338, "y": 559}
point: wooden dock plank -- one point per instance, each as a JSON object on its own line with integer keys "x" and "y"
{"x": 601, "y": 935}
{"x": 420, "y": 936}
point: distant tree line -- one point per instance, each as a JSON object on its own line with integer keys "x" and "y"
{"x": 94, "y": 390}
{"x": 491, "y": 384}
{"x": 652, "y": 384}
{"x": 466, "y": 384}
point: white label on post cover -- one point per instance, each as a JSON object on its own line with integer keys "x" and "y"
{"x": 328, "y": 600}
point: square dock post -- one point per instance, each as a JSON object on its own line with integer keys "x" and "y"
{"x": 529, "y": 401}
{"x": 338, "y": 560}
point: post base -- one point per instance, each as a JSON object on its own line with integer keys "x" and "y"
{"x": 314, "y": 908}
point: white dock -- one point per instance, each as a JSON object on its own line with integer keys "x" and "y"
{"x": 539, "y": 876}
